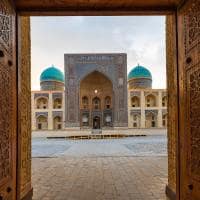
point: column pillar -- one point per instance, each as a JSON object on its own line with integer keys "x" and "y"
{"x": 159, "y": 120}
{"x": 129, "y": 108}
{"x": 142, "y": 104}
{"x": 33, "y": 118}
{"x": 63, "y": 110}
{"x": 50, "y": 117}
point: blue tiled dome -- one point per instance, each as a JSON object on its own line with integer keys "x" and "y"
{"x": 52, "y": 74}
{"x": 139, "y": 72}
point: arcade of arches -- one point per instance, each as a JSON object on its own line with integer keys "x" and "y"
{"x": 48, "y": 105}
{"x": 147, "y": 108}
{"x": 183, "y": 90}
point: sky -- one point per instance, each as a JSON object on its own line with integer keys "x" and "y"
{"x": 141, "y": 37}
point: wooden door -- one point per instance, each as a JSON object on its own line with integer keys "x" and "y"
{"x": 189, "y": 101}
{"x": 8, "y": 127}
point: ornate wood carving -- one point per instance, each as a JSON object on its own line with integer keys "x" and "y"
{"x": 192, "y": 26}
{"x": 6, "y": 25}
{"x": 7, "y": 102}
{"x": 24, "y": 106}
{"x": 193, "y": 89}
{"x": 189, "y": 87}
{"x": 5, "y": 127}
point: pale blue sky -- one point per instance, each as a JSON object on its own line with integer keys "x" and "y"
{"x": 141, "y": 37}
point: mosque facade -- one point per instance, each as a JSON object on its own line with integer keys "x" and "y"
{"x": 96, "y": 93}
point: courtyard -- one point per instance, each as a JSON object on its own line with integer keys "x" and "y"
{"x": 132, "y": 168}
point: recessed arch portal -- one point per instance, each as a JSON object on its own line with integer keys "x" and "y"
{"x": 96, "y": 78}
{"x": 98, "y": 89}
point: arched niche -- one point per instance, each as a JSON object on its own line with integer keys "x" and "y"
{"x": 57, "y": 103}
{"x": 107, "y": 102}
{"x": 41, "y": 122}
{"x": 151, "y": 120}
{"x": 57, "y": 123}
{"x": 164, "y": 101}
{"x": 135, "y": 120}
{"x": 150, "y": 100}
{"x": 135, "y": 101}
{"x": 164, "y": 120}
{"x": 41, "y": 103}
{"x": 96, "y": 103}
{"x": 85, "y": 102}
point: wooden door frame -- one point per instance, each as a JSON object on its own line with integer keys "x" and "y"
{"x": 173, "y": 63}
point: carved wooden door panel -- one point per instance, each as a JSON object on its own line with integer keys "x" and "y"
{"x": 7, "y": 102}
{"x": 189, "y": 104}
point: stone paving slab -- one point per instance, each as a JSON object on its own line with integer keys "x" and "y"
{"x": 42, "y": 147}
{"x": 113, "y": 169}
{"x": 100, "y": 178}
{"x": 134, "y": 146}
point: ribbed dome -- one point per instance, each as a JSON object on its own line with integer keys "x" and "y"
{"x": 52, "y": 74}
{"x": 139, "y": 72}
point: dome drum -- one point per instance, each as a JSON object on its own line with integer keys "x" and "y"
{"x": 52, "y": 85}
{"x": 140, "y": 83}
{"x": 52, "y": 79}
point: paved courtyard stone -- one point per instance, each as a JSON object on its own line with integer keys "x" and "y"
{"x": 100, "y": 169}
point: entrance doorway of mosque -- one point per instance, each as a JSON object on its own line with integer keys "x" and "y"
{"x": 96, "y": 122}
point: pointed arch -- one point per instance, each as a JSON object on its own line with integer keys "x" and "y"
{"x": 57, "y": 123}
{"x": 135, "y": 101}
{"x": 41, "y": 102}
{"x": 150, "y": 100}
{"x": 95, "y": 71}
{"x": 42, "y": 122}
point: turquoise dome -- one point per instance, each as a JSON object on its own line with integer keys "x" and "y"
{"x": 139, "y": 72}
{"x": 52, "y": 74}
